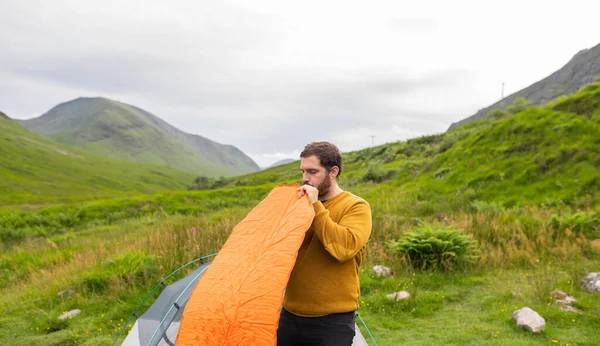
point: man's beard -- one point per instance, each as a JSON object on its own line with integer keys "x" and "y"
{"x": 324, "y": 187}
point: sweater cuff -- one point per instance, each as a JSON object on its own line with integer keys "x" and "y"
{"x": 318, "y": 205}
{"x": 320, "y": 219}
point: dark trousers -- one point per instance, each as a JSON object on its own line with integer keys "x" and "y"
{"x": 330, "y": 330}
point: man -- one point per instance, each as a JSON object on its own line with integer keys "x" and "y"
{"x": 322, "y": 294}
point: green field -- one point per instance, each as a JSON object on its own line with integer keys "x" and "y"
{"x": 35, "y": 170}
{"x": 523, "y": 187}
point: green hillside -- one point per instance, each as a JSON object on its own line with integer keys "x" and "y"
{"x": 543, "y": 155}
{"x": 581, "y": 70}
{"x": 112, "y": 129}
{"x": 522, "y": 188}
{"x": 35, "y": 170}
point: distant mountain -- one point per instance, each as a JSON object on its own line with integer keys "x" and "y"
{"x": 35, "y": 169}
{"x": 3, "y": 116}
{"x": 113, "y": 129}
{"x": 582, "y": 69}
{"x": 282, "y": 162}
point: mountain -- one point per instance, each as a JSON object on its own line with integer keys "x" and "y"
{"x": 3, "y": 116}
{"x": 582, "y": 69}
{"x": 542, "y": 155}
{"x": 282, "y": 162}
{"x": 113, "y": 129}
{"x": 34, "y": 169}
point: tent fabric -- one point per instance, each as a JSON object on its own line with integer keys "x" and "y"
{"x": 166, "y": 333}
{"x": 239, "y": 298}
{"x": 159, "y": 325}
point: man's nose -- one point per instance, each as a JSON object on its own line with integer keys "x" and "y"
{"x": 305, "y": 178}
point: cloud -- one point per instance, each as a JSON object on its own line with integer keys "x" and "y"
{"x": 269, "y": 76}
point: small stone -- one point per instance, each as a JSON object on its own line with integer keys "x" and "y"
{"x": 591, "y": 282}
{"x": 68, "y": 291}
{"x": 380, "y": 270}
{"x": 69, "y": 314}
{"x": 529, "y": 319}
{"x": 398, "y": 296}
{"x": 562, "y": 297}
{"x": 569, "y": 308}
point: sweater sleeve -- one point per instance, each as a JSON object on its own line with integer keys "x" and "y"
{"x": 343, "y": 240}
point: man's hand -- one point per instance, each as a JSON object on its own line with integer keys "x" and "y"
{"x": 313, "y": 193}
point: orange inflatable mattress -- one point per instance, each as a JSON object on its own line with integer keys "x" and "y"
{"x": 238, "y": 299}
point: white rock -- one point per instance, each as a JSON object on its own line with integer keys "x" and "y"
{"x": 569, "y": 308}
{"x": 68, "y": 291}
{"x": 591, "y": 282}
{"x": 562, "y": 297}
{"x": 69, "y": 314}
{"x": 529, "y": 319}
{"x": 380, "y": 270}
{"x": 402, "y": 295}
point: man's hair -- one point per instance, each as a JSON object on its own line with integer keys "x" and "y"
{"x": 327, "y": 153}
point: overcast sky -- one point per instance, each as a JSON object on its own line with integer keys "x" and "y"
{"x": 271, "y": 76}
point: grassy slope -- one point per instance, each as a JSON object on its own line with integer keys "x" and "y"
{"x": 532, "y": 218}
{"x": 543, "y": 155}
{"x": 35, "y": 170}
{"x": 112, "y": 129}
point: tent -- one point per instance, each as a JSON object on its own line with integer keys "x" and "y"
{"x": 233, "y": 297}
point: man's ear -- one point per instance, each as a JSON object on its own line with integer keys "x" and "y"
{"x": 334, "y": 171}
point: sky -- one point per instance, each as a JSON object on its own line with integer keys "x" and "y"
{"x": 271, "y": 76}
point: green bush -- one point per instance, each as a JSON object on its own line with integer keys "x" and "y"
{"x": 579, "y": 222}
{"x": 434, "y": 249}
{"x": 95, "y": 281}
{"x": 519, "y": 104}
{"x": 490, "y": 208}
{"x": 375, "y": 174}
{"x": 497, "y": 113}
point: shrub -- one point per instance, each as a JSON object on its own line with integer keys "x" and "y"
{"x": 579, "y": 222}
{"x": 519, "y": 104}
{"x": 497, "y": 113}
{"x": 375, "y": 174}
{"x": 430, "y": 248}
{"x": 491, "y": 208}
{"x": 95, "y": 281}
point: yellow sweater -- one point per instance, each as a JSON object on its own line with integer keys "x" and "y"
{"x": 325, "y": 277}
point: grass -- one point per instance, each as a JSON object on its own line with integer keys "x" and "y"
{"x": 111, "y": 268}
{"x": 48, "y": 221}
{"x": 35, "y": 170}
{"x": 523, "y": 187}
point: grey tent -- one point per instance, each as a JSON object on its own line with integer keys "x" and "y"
{"x": 160, "y": 323}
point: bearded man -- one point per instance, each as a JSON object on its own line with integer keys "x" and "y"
{"x": 321, "y": 298}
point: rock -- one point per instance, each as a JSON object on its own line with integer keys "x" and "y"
{"x": 397, "y": 296}
{"x": 69, "y": 314}
{"x": 529, "y": 319}
{"x": 68, "y": 291}
{"x": 516, "y": 294}
{"x": 591, "y": 282}
{"x": 380, "y": 270}
{"x": 562, "y": 297}
{"x": 569, "y": 308}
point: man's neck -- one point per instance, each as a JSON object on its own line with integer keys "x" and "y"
{"x": 334, "y": 191}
